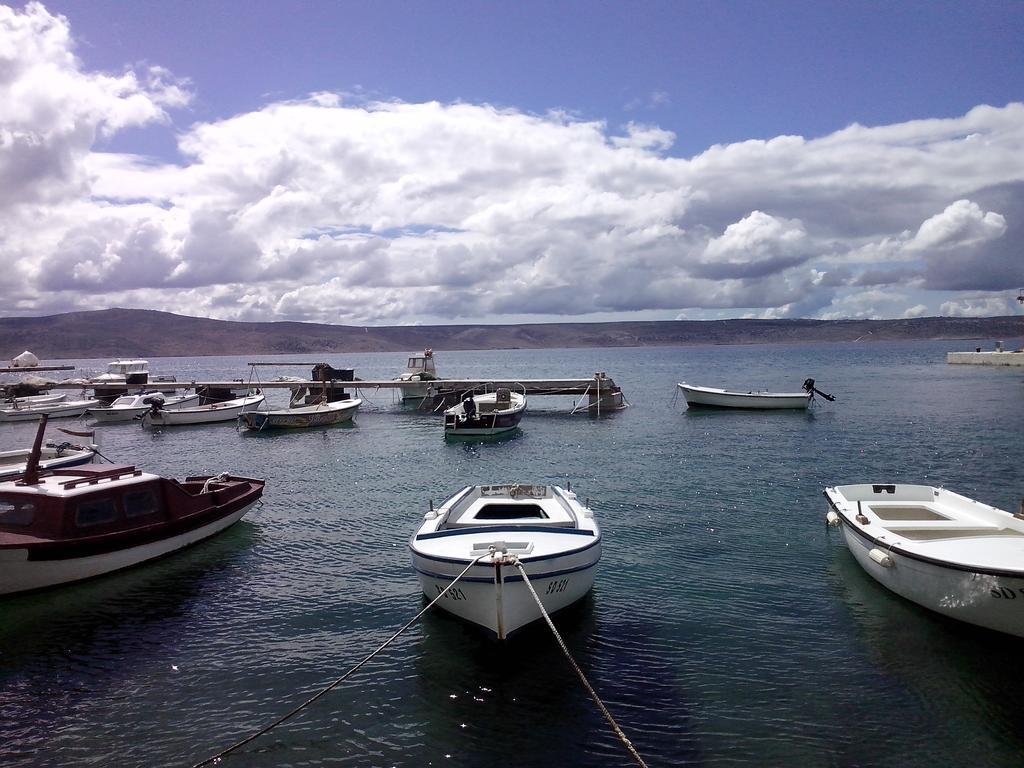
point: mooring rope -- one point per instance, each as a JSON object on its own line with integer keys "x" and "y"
{"x": 586, "y": 684}
{"x": 340, "y": 680}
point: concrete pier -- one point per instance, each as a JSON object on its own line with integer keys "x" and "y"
{"x": 986, "y": 358}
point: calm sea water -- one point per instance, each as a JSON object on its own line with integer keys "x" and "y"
{"x": 728, "y": 626}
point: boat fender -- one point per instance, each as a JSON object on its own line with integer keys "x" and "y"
{"x": 880, "y": 557}
{"x": 832, "y": 519}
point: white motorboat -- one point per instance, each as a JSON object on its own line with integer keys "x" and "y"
{"x": 226, "y": 410}
{"x": 57, "y": 410}
{"x": 545, "y": 528}
{"x": 52, "y": 455}
{"x": 939, "y": 549}
{"x": 124, "y": 372}
{"x": 419, "y": 371}
{"x": 65, "y": 525}
{"x": 319, "y": 414}
{"x": 128, "y": 407}
{"x": 710, "y": 397}
{"x": 486, "y": 414}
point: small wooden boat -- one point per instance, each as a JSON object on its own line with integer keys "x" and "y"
{"x": 65, "y": 525}
{"x": 128, "y": 407}
{"x": 56, "y": 410}
{"x": 226, "y": 410}
{"x": 317, "y": 415}
{"x": 710, "y": 397}
{"x": 486, "y": 414}
{"x": 543, "y": 527}
{"x": 941, "y": 550}
{"x": 30, "y": 401}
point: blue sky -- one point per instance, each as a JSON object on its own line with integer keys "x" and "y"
{"x": 395, "y": 163}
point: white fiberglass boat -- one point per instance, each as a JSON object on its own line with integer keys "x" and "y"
{"x": 419, "y": 372}
{"x": 486, "y": 414}
{"x": 128, "y": 407}
{"x": 52, "y": 455}
{"x": 710, "y": 397}
{"x": 226, "y": 410}
{"x": 317, "y": 415}
{"x": 57, "y": 410}
{"x": 943, "y": 551}
{"x": 543, "y": 527}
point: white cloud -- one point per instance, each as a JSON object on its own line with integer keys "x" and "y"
{"x": 336, "y": 210}
{"x": 993, "y": 306}
{"x": 961, "y": 224}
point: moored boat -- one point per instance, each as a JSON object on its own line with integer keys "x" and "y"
{"x": 486, "y": 414}
{"x": 128, "y": 407}
{"x": 711, "y": 397}
{"x": 226, "y": 410}
{"x": 419, "y": 371}
{"x": 65, "y": 525}
{"x": 544, "y": 528}
{"x": 319, "y": 414}
{"x": 941, "y": 550}
{"x": 53, "y": 455}
{"x": 62, "y": 409}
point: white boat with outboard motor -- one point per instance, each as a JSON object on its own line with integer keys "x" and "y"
{"x": 711, "y": 397}
{"x": 941, "y": 550}
{"x": 495, "y": 530}
{"x": 490, "y": 413}
{"x": 225, "y": 410}
{"x": 129, "y": 407}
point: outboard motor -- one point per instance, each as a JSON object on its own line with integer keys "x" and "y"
{"x": 810, "y": 389}
{"x": 154, "y": 401}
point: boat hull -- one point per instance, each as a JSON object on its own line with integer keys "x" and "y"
{"x": 705, "y": 397}
{"x": 207, "y": 414}
{"x": 299, "y": 418}
{"x": 13, "y": 463}
{"x": 19, "y": 573}
{"x": 943, "y": 551}
{"x": 559, "y": 581}
{"x": 987, "y": 600}
{"x": 60, "y": 410}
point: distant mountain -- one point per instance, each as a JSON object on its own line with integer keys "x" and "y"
{"x": 146, "y": 333}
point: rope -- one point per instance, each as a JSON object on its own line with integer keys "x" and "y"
{"x": 336, "y": 683}
{"x": 593, "y": 694}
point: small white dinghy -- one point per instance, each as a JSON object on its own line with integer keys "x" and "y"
{"x": 711, "y": 397}
{"x": 63, "y": 409}
{"x": 543, "y": 527}
{"x": 226, "y": 410}
{"x": 943, "y": 551}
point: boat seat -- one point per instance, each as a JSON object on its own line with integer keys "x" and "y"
{"x": 955, "y": 531}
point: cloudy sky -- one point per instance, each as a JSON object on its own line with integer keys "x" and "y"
{"x": 386, "y": 163}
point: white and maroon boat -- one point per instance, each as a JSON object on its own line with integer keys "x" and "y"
{"x": 65, "y": 525}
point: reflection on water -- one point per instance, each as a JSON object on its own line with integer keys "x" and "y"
{"x": 726, "y": 626}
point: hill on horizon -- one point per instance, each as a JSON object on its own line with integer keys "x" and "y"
{"x": 149, "y": 333}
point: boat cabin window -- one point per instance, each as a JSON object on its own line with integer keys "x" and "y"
{"x": 16, "y": 512}
{"x": 510, "y": 512}
{"x": 139, "y": 503}
{"x": 415, "y": 362}
{"x": 95, "y": 512}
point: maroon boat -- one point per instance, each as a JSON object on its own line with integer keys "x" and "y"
{"x": 65, "y": 525}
